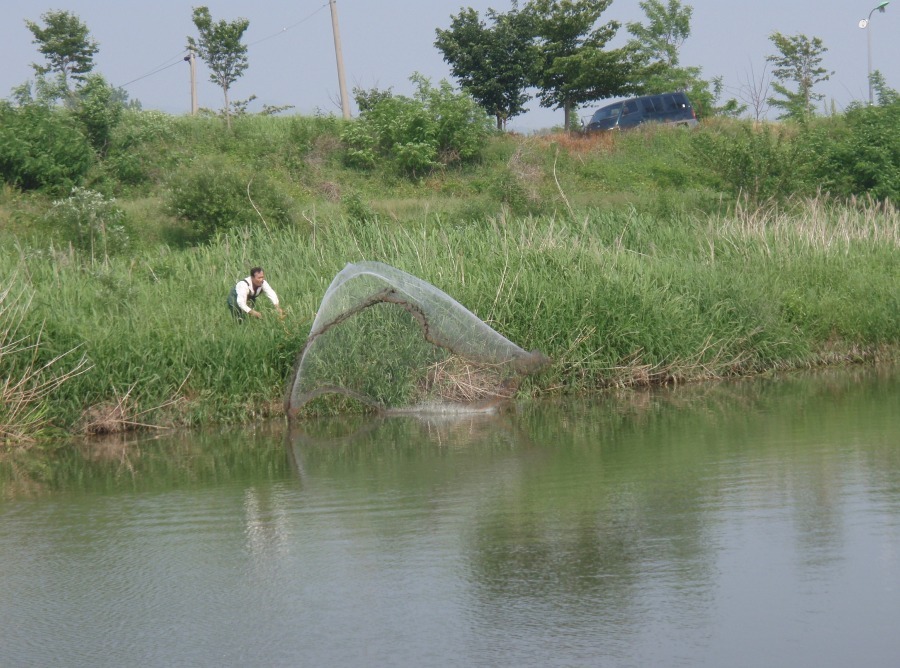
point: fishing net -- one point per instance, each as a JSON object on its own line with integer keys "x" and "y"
{"x": 395, "y": 343}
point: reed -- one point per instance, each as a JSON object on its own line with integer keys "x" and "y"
{"x": 28, "y": 383}
{"x": 615, "y": 298}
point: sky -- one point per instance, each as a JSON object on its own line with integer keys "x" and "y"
{"x": 383, "y": 42}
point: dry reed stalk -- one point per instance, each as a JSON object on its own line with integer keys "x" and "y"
{"x": 22, "y": 410}
{"x": 119, "y": 415}
{"x": 457, "y": 380}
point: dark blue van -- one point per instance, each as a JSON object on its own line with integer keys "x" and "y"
{"x": 672, "y": 108}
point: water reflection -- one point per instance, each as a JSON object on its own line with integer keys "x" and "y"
{"x": 737, "y": 523}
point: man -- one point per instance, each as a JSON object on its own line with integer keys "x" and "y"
{"x": 248, "y": 289}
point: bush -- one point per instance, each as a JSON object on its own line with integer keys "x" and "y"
{"x": 213, "y": 195}
{"x": 862, "y": 155}
{"x": 139, "y": 147}
{"x": 758, "y": 163}
{"x": 434, "y": 128}
{"x": 98, "y": 111}
{"x": 42, "y": 148}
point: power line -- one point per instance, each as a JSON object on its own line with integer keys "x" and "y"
{"x": 290, "y": 27}
{"x": 180, "y": 56}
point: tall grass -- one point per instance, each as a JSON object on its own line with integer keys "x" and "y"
{"x": 613, "y": 297}
{"x": 27, "y": 383}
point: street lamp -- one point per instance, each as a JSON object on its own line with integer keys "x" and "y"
{"x": 864, "y": 23}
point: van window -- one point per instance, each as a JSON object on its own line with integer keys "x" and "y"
{"x": 647, "y": 105}
{"x": 669, "y": 104}
{"x": 609, "y": 111}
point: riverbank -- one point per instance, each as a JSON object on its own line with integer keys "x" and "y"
{"x": 630, "y": 259}
{"x": 615, "y": 298}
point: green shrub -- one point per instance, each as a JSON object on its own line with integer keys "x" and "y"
{"x": 98, "y": 111}
{"x": 213, "y": 195}
{"x": 434, "y": 128}
{"x": 357, "y": 208}
{"x": 140, "y": 147}
{"x": 861, "y": 154}
{"x": 757, "y": 163}
{"x": 42, "y": 148}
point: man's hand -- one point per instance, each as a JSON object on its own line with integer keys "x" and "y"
{"x": 256, "y": 314}
{"x": 280, "y": 312}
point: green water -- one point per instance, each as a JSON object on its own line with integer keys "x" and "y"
{"x": 754, "y": 523}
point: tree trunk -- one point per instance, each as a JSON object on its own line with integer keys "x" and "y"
{"x": 567, "y": 116}
{"x": 227, "y": 108}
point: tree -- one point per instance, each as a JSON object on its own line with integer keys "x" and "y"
{"x": 755, "y": 92}
{"x": 66, "y": 44}
{"x": 667, "y": 29}
{"x": 572, "y": 67}
{"x": 493, "y": 64}
{"x": 656, "y": 46}
{"x": 798, "y": 61}
{"x": 221, "y": 49}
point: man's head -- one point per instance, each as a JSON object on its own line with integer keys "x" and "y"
{"x": 257, "y": 276}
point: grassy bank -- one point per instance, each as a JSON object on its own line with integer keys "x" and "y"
{"x": 653, "y": 256}
{"x": 613, "y": 297}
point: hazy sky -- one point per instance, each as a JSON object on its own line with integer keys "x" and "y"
{"x": 292, "y": 58}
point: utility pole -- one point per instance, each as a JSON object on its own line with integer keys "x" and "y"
{"x": 345, "y": 102}
{"x": 192, "y": 60}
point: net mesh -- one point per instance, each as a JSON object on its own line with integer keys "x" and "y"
{"x": 393, "y": 343}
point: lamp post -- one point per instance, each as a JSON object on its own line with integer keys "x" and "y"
{"x": 864, "y": 23}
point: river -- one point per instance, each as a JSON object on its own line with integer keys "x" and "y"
{"x": 747, "y": 523}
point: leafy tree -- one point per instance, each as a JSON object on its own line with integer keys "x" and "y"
{"x": 66, "y": 44}
{"x": 667, "y": 29}
{"x": 657, "y": 45}
{"x": 221, "y": 49}
{"x": 572, "y": 66}
{"x": 494, "y": 64}
{"x": 799, "y": 61}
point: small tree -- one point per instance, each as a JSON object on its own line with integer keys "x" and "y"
{"x": 572, "y": 67}
{"x": 667, "y": 29}
{"x": 799, "y": 61}
{"x": 221, "y": 49}
{"x": 66, "y": 44}
{"x": 657, "y": 45}
{"x": 494, "y": 64}
{"x": 755, "y": 92}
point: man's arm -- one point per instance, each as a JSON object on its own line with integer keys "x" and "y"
{"x": 270, "y": 293}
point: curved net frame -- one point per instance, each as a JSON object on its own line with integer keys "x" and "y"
{"x": 395, "y": 343}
